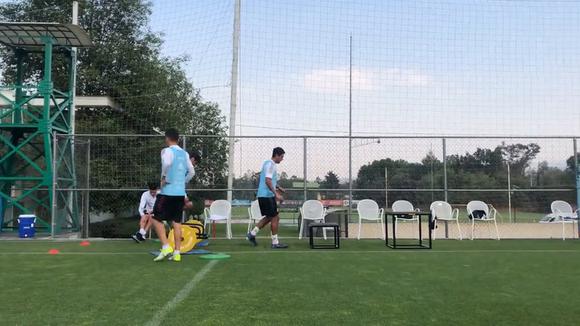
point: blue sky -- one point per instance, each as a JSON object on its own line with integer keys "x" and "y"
{"x": 420, "y": 67}
{"x": 425, "y": 66}
{"x": 437, "y": 67}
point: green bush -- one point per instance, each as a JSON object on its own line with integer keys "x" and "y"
{"x": 198, "y": 207}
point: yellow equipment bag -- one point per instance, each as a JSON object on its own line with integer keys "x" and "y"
{"x": 192, "y": 233}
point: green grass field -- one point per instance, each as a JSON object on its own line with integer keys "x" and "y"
{"x": 364, "y": 283}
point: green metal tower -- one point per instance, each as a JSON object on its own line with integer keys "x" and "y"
{"x": 32, "y": 115}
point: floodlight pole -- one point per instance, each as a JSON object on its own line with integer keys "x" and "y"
{"x": 233, "y": 97}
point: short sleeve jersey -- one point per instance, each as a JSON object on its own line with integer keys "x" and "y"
{"x": 268, "y": 171}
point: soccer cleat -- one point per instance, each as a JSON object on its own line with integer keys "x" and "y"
{"x": 175, "y": 257}
{"x": 279, "y": 246}
{"x": 136, "y": 237}
{"x": 251, "y": 238}
{"x": 164, "y": 254}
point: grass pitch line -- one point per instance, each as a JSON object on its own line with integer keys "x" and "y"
{"x": 181, "y": 295}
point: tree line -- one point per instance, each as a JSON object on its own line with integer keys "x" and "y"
{"x": 423, "y": 182}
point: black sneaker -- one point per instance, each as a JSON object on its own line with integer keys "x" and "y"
{"x": 141, "y": 237}
{"x": 279, "y": 246}
{"x": 251, "y": 238}
{"x": 137, "y": 237}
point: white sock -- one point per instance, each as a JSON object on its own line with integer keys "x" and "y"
{"x": 165, "y": 247}
{"x": 176, "y": 252}
{"x": 255, "y": 231}
{"x": 275, "y": 239}
{"x": 142, "y": 231}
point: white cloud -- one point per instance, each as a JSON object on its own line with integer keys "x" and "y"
{"x": 403, "y": 77}
{"x": 336, "y": 80}
{"x": 363, "y": 79}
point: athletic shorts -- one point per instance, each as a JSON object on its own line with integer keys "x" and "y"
{"x": 268, "y": 206}
{"x": 168, "y": 208}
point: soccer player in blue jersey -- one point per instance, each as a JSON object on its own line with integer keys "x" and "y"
{"x": 176, "y": 170}
{"x": 268, "y": 195}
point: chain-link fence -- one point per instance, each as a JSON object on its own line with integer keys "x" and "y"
{"x": 518, "y": 177}
{"x": 70, "y": 188}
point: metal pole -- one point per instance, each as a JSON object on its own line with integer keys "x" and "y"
{"x": 432, "y": 182}
{"x": 234, "y": 97}
{"x": 87, "y": 208}
{"x": 386, "y": 187}
{"x": 72, "y": 196}
{"x": 54, "y": 181}
{"x": 75, "y": 13}
{"x": 577, "y": 168}
{"x": 509, "y": 185}
{"x": 183, "y": 213}
{"x": 75, "y": 21}
{"x": 305, "y": 167}
{"x": 19, "y": 92}
{"x": 446, "y": 192}
{"x": 445, "y": 189}
{"x": 350, "y": 130}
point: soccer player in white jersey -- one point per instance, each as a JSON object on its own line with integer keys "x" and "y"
{"x": 145, "y": 211}
{"x": 176, "y": 171}
{"x": 268, "y": 195}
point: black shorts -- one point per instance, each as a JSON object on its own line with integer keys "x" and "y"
{"x": 168, "y": 208}
{"x": 268, "y": 206}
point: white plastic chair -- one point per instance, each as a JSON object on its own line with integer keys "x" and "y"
{"x": 564, "y": 213}
{"x": 219, "y": 210}
{"x": 368, "y": 209}
{"x": 255, "y": 214}
{"x": 312, "y": 210}
{"x": 442, "y": 211}
{"x": 489, "y": 215}
{"x": 404, "y": 206}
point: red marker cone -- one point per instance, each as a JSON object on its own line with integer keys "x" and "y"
{"x": 85, "y": 243}
{"x": 53, "y": 252}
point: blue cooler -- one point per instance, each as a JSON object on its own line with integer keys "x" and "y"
{"x": 26, "y": 226}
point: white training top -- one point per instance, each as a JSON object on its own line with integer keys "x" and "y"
{"x": 146, "y": 204}
{"x": 167, "y": 160}
{"x": 268, "y": 171}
